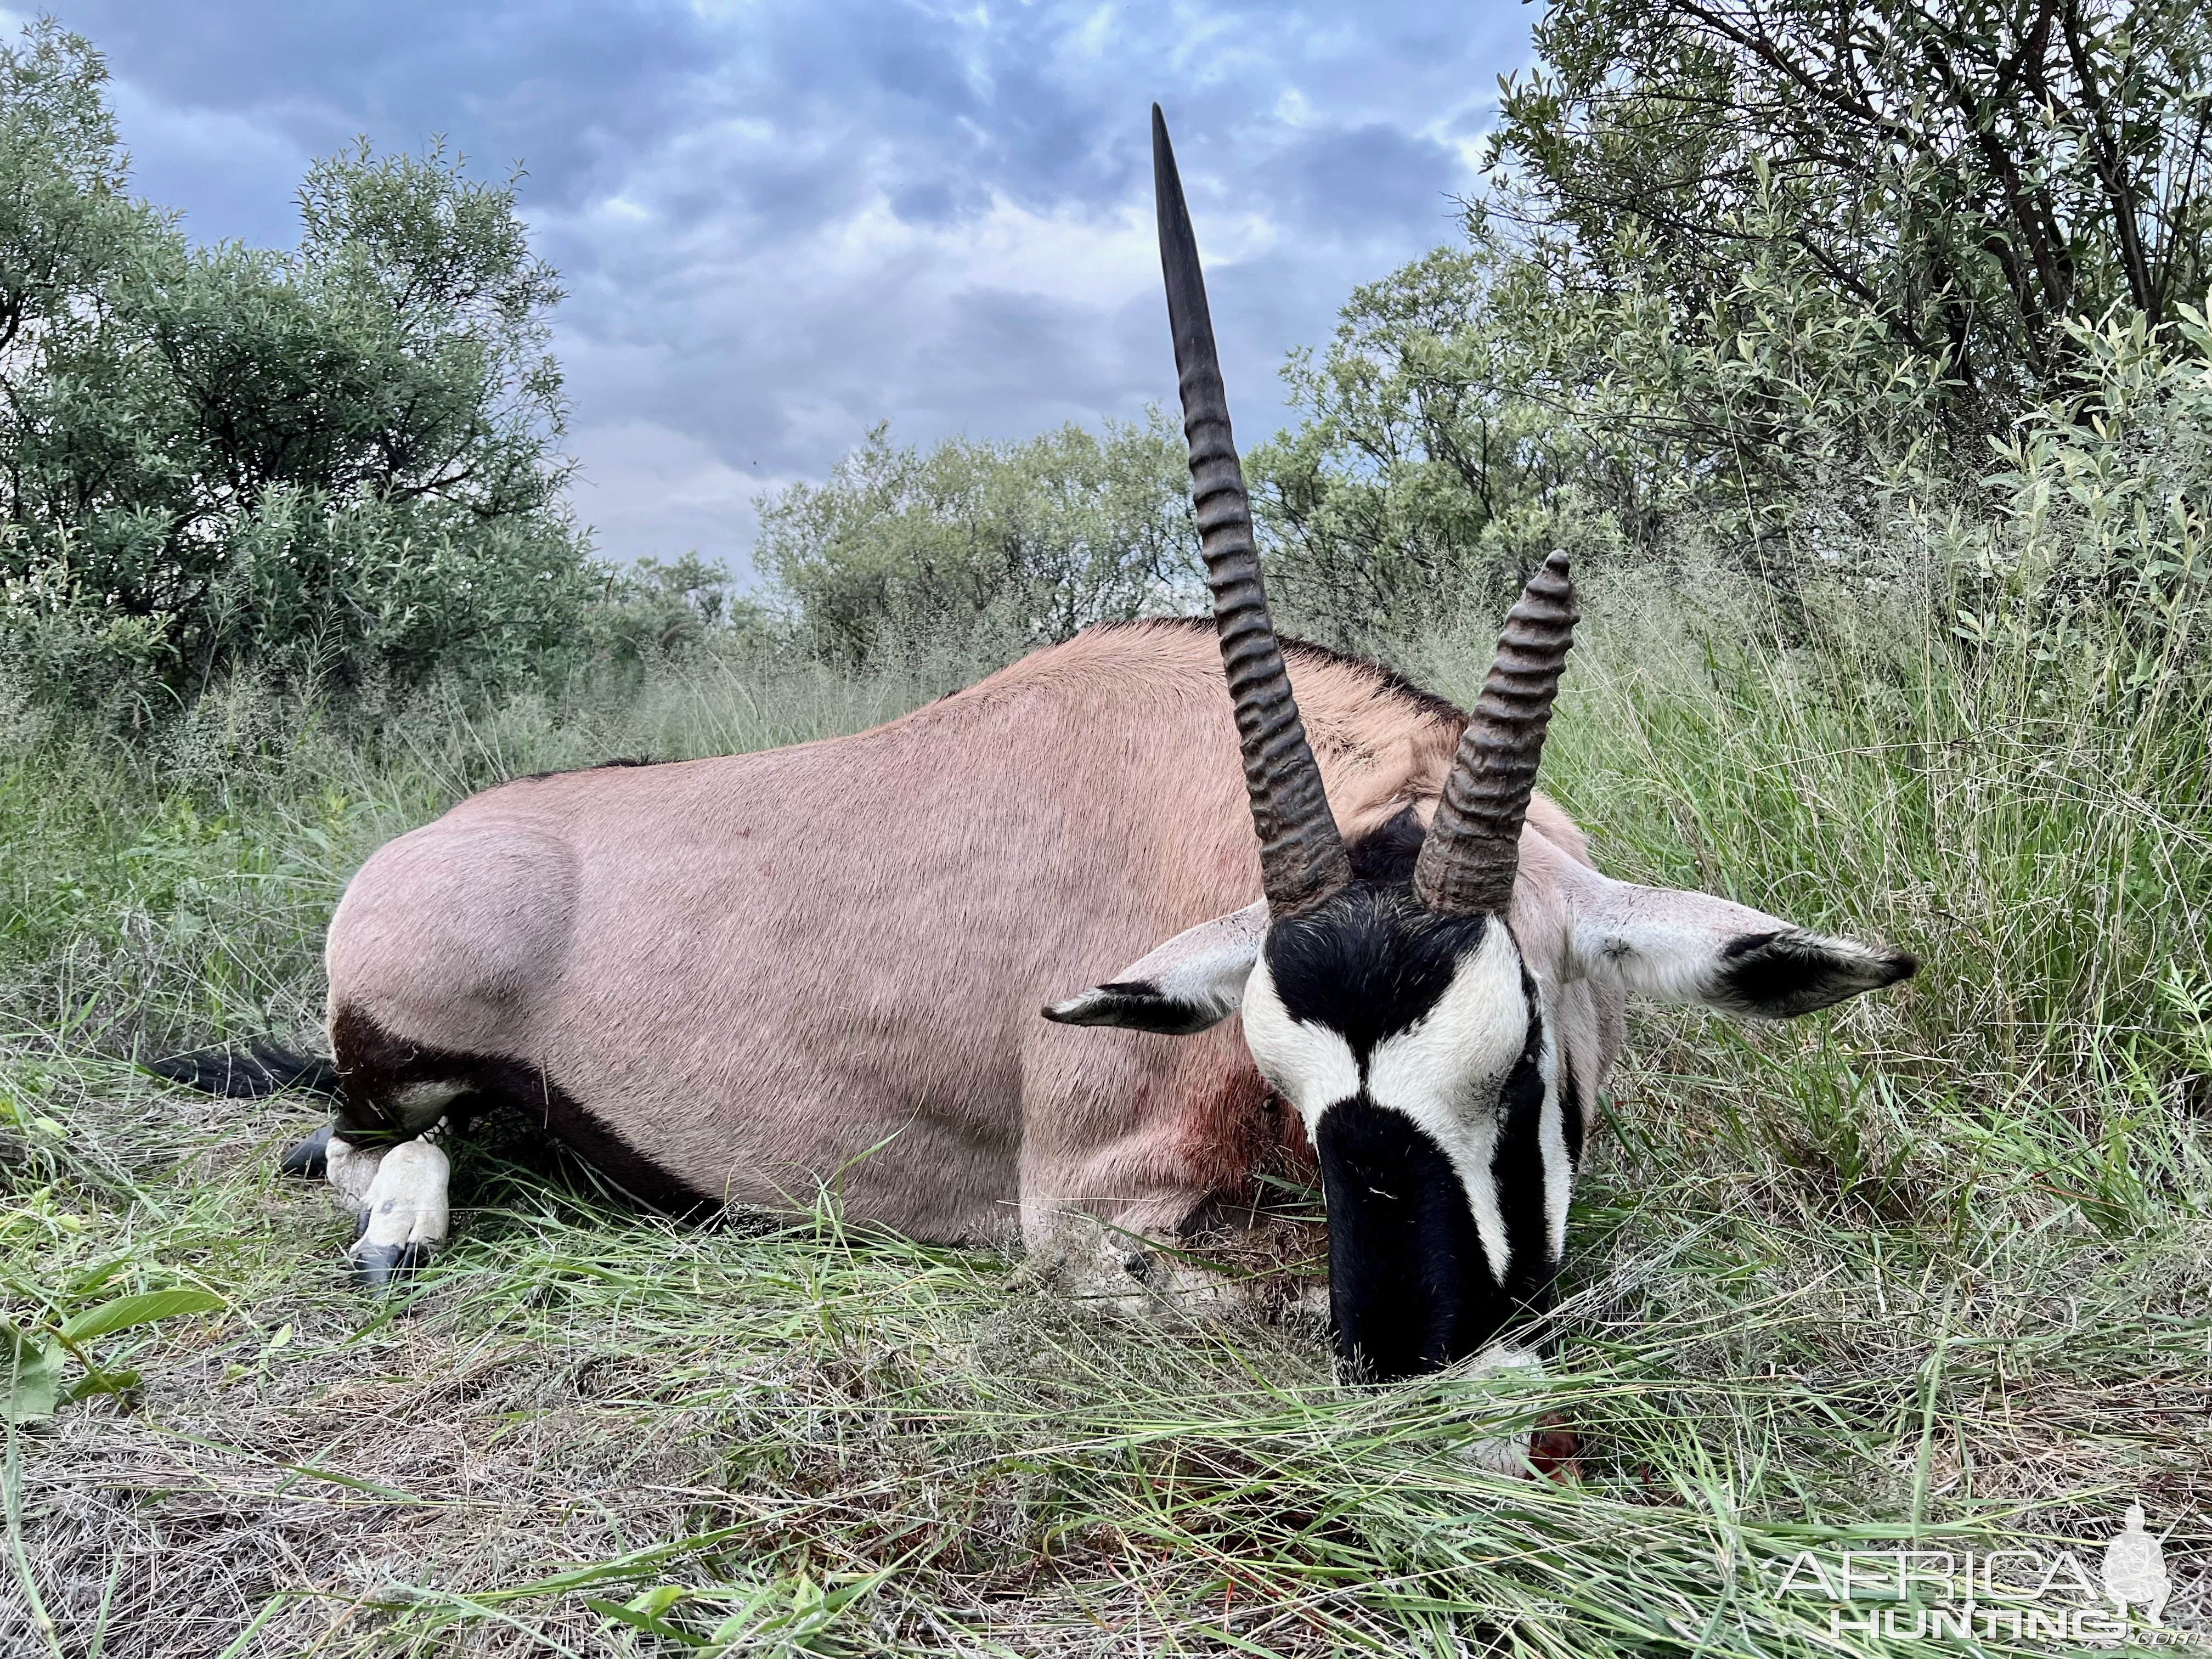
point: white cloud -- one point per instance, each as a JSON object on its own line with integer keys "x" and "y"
{"x": 1078, "y": 258}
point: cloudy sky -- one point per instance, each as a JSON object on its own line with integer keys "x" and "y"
{"x": 780, "y": 223}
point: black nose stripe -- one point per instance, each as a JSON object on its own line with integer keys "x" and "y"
{"x": 1412, "y": 1286}
{"x": 1408, "y": 1280}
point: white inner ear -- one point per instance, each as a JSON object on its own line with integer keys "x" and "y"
{"x": 1445, "y": 1071}
{"x": 1206, "y": 966}
{"x": 1655, "y": 942}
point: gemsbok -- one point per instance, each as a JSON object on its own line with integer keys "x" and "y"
{"x": 734, "y": 980}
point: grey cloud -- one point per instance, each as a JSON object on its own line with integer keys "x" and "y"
{"x": 781, "y": 223}
{"x": 1367, "y": 180}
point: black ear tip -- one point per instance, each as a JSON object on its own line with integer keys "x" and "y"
{"x": 1092, "y": 1007}
{"x": 1782, "y": 976}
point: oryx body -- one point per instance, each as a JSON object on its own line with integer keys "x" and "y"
{"x": 740, "y": 980}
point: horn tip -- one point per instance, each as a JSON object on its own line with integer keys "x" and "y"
{"x": 1552, "y": 585}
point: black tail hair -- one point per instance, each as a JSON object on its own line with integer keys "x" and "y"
{"x": 261, "y": 1068}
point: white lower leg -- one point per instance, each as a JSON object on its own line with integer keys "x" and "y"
{"x": 352, "y": 1171}
{"x": 405, "y": 1214}
{"x": 1524, "y": 1452}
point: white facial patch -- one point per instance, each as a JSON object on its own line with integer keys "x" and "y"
{"x": 1552, "y": 1146}
{"x": 1310, "y": 1065}
{"x": 1446, "y": 1072}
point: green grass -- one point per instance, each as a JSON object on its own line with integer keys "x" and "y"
{"x": 1932, "y": 1272}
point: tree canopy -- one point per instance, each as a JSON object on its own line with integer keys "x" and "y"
{"x": 330, "y": 463}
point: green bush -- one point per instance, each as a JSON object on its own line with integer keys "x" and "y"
{"x": 2108, "y": 493}
{"x": 1750, "y": 278}
{"x": 331, "y": 466}
{"x": 1432, "y": 471}
{"x": 1950, "y": 186}
{"x": 980, "y": 546}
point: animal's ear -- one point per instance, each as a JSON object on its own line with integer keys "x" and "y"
{"x": 1692, "y": 947}
{"x": 1194, "y": 981}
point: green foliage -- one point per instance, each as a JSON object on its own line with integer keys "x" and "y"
{"x": 1432, "y": 470}
{"x": 659, "y": 610}
{"x": 2109, "y": 499}
{"x": 1964, "y": 181}
{"x": 34, "y": 1364}
{"x": 1009, "y": 545}
{"x": 31, "y": 1360}
{"x": 1754, "y": 277}
{"x": 334, "y": 465}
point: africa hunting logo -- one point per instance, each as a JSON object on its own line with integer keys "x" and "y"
{"x": 2017, "y": 1593}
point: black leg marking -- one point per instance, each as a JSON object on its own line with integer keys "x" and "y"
{"x": 374, "y": 1065}
{"x": 309, "y": 1158}
{"x": 387, "y": 1267}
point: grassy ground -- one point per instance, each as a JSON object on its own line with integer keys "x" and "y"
{"x": 1933, "y": 1272}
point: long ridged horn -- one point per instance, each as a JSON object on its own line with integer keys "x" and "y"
{"x": 1473, "y": 851}
{"x": 1302, "y": 858}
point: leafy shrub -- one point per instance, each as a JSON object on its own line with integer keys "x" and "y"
{"x": 332, "y": 465}
{"x": 1754, "y": 277}
{"x": 1963, "y": 181}
{"x": 2108, "y": 493}
{"x": 1432, "y": 471}
{"x": 1006, "y": 545}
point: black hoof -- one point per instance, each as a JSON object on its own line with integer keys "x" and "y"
{"x": 309, "y": 1158}
{"x": 387, "y": 1267}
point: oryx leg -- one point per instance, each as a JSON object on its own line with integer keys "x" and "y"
{"x": 405, "y": 1215}
{"x": 398, "y": 1191}
{"x": 1137, "y": 1168}
{"x": 350, "y": 1167}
